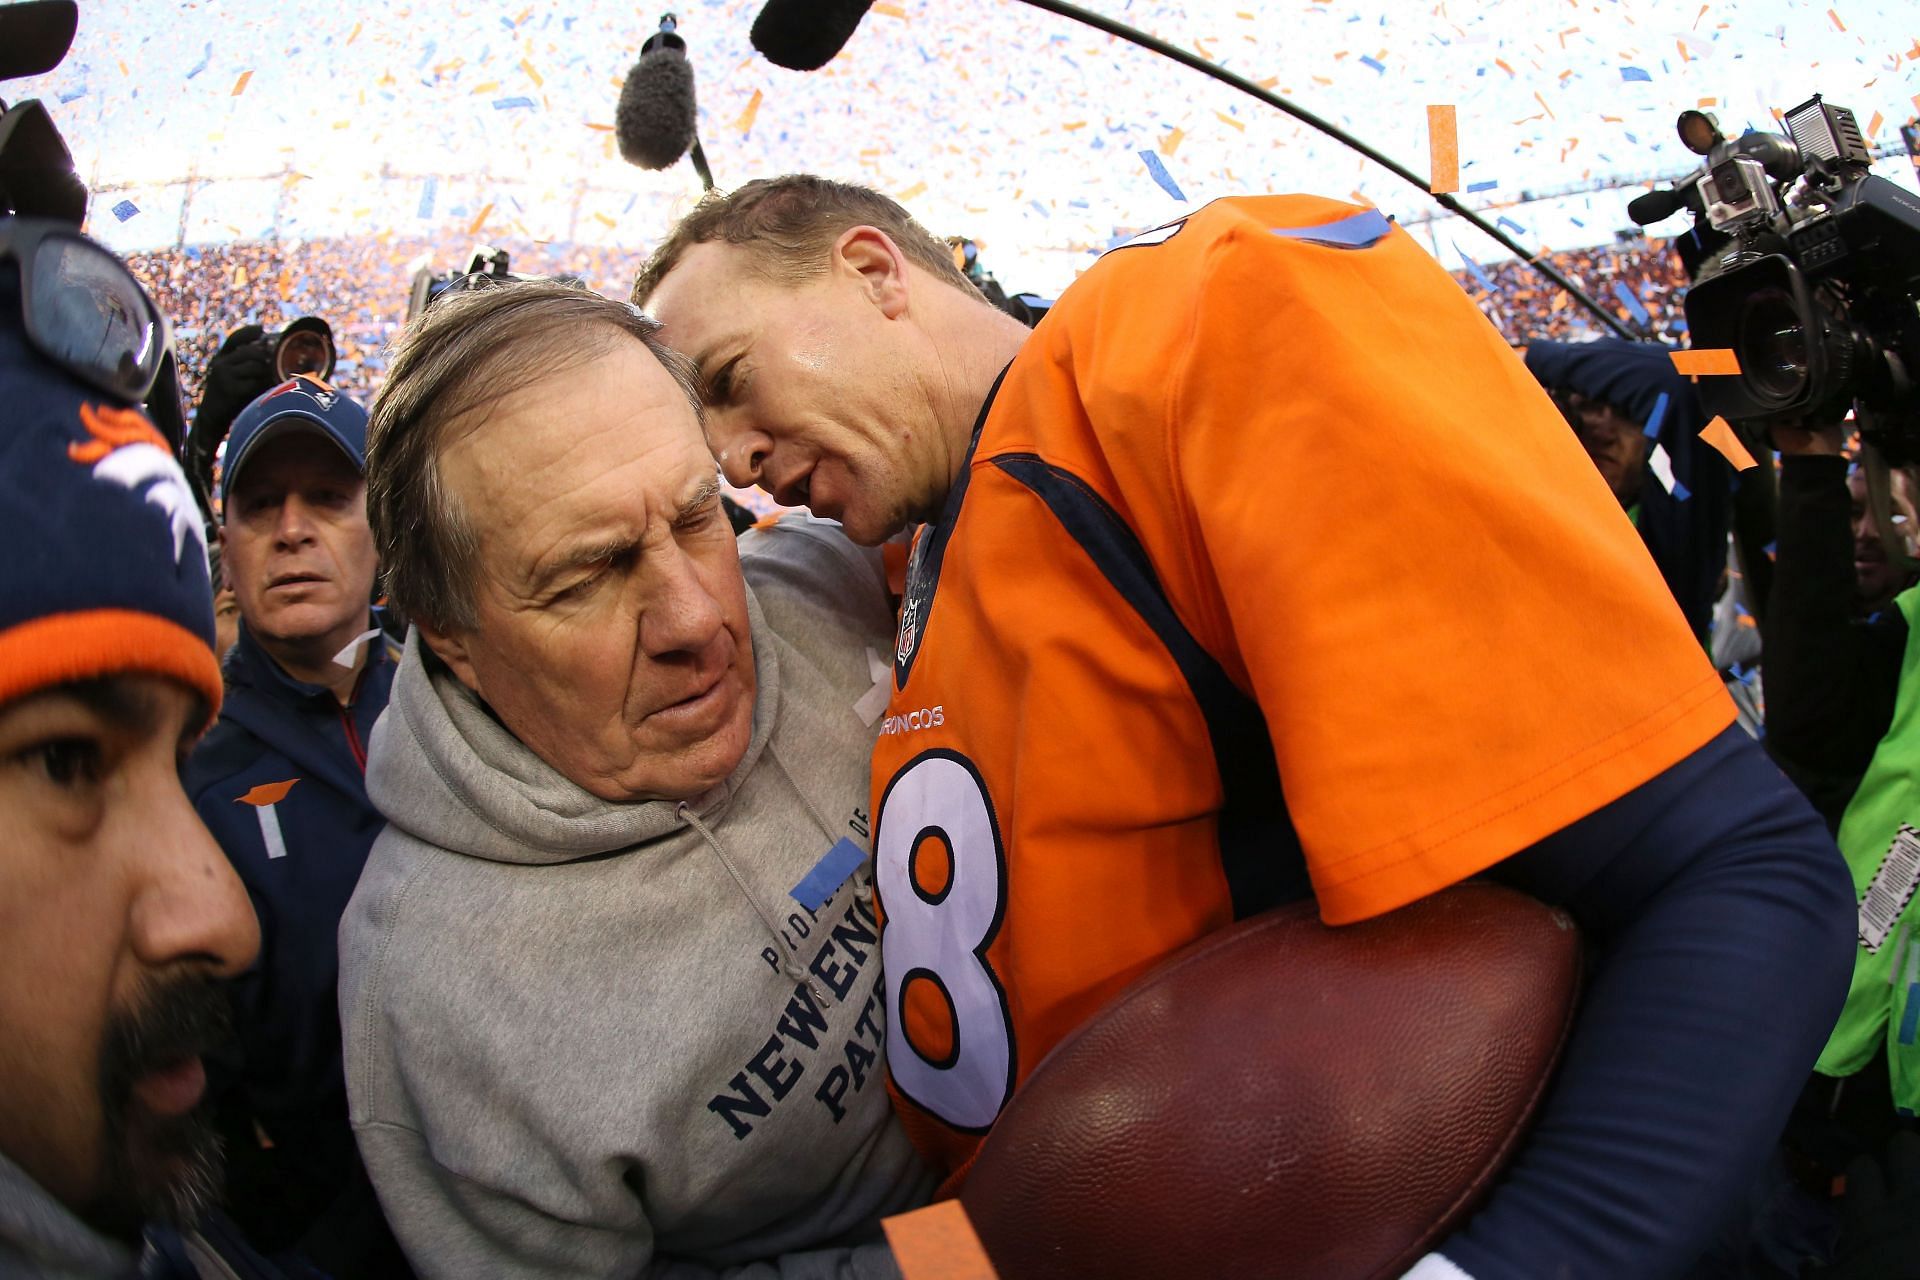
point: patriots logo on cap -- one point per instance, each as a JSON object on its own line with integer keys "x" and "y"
{"x": 314, "y": 389}
{"x": 127, "y": 451}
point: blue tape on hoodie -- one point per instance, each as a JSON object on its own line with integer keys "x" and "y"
{"x": 829, "y": 874}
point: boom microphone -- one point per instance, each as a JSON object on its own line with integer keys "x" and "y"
{"x": 804, "y": 35}
{"x": 654, "y": 120}
{"x": 1654, "y": 206}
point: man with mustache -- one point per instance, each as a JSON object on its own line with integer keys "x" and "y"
{"x": 118, "y": 914}
{"x": 281, "y": 783}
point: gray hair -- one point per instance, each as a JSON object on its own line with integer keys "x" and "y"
{"x": 465, "y": 352}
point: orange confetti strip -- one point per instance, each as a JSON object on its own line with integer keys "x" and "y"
{"x": 1873, "y": 125}
{"x": 604, "y": 218}
{"x": 1836, "y": 19}
{"x": 240, "y": 85}
{"x": 1543, "y": 104}
{"x": 481, "y": 221}
{"x": 1613, "y": 119}
{"x": 1727, "y": 441}
{"x": 1681, "y": 45}
{"x": 487, "y": 87}
{"x": 532, "y": 75}
{"x": 1698, "y": 16}
{"x": 355, "y": 34}
{"x": 267, "y": 793}
{"x": 1564, "y": 34}
{"x": 744, "y": 125}
{"x": 891, "y": 10}
{"x": 937, "y": 1243}
{"x": 1171, "y": 143}
{"x": 1706, "y": 361}
{"x": 1502, "y": 64}
{"x": 1443, "y": 144}
{"x": 601, "y": 128}
{"x": 918, "y": 188}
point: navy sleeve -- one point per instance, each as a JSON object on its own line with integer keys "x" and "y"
{"x": 1720, "y": 919}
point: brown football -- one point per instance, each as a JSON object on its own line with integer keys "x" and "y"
{"x": 1286, "y": 1099}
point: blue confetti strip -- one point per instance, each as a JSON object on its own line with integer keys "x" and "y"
{"x": 1635, "y": 73}
{"x": 1474, "y": 267}
{"x": 427, "y": 195}
{"x": 828, "y": 874}
{"x": 1504, "y": 221}
{"x": 125, "y": 209}
{"x": 1658, "y": 416}
{"x": 1487, "y": 185}
{"x": 1357, "y": 231}
{"x": 1365, "y": 61}
{"x": 1042, "y": 209}
{"x": 1630, "y": 302}
{"x": 201, "y": 65}
{"x": 1161, "y": 176}
{"x": 509, "y": 104}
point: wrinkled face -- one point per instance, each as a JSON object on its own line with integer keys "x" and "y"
{"x": 810, "y": 388}
{"x": 1877, "y": 580}
{"x": 297, "y": 550}
{"x": 1617, "y": 446}
{"x": 118, "y": 909}
{"x": 612, "y": 619}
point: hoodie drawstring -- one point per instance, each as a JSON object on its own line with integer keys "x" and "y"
{"x": 791, "y": 966}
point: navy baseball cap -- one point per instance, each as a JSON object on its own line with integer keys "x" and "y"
{"x": 301, "y": 403}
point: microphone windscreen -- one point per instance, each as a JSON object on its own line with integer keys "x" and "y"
{"x": 1653, "y": 206}
{"x": 655, "y": 117}
{"x": 35, "y": 35}
{"x": 804, "y": 35}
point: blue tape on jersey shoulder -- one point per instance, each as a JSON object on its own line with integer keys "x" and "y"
{"x": 1359, "y": 231}
{"x": 829, "y": 874}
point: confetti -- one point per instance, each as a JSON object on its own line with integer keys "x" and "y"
{"x": 1658, "y": 416}
{"x": 744, "y": 125}
{"x": 240, "y": 85}
{"x": 1158, "y": 171}
{"x": 514, "y": 103}
{"x": 1443, "y": 144}
{"x": 201, "y": 65}
{"x": 481, "y": 220}
{"x": 125, "y": 209}
{"x": 1708, "y": 361}
{"x": 1635, "y": 73}
{"x": 1721, "y": 435}
{"x": 1632, "y": 303}
{"x": 937, "y": 1243}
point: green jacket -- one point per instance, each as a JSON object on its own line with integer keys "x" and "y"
{"x": 1884, "y": 1001}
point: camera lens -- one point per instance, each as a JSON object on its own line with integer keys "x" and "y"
{"x": 1772, "y": 346}
{"x": 304, "y": 351}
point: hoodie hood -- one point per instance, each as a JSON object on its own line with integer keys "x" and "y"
{"x": 443, "y": 769}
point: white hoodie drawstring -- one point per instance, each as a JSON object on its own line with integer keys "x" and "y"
{"x": 792, "y": 966}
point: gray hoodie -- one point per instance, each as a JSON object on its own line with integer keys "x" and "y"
{"x": 584, "y": 1038}
{"x": 40, "y": 1237}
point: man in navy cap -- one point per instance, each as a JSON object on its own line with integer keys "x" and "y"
{"x": 281, "y": 783}
{"x": 118, "y": 913}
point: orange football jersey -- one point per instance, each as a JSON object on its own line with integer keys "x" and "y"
{"x": 1264, "y": 475}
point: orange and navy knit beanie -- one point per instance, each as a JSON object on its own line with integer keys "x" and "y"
{"x": 105, "y": 563}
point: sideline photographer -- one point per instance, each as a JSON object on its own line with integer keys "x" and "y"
{"x": 250, "y": 361}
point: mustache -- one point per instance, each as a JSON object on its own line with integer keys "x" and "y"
{"x": 158, "y": 1168}
{"x": 179, "y": 1019}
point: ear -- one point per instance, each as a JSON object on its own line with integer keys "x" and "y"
{"x": 870, "y": 255}
{"x": 452, "y": 650}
